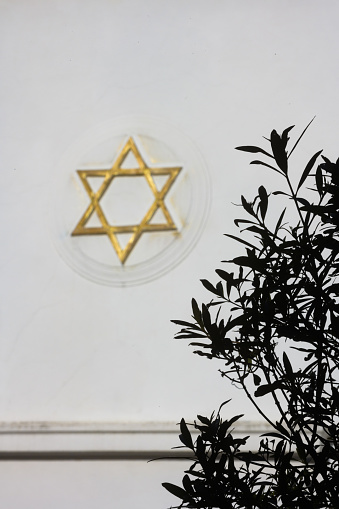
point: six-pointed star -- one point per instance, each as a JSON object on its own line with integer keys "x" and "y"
{"x": 145, "y": 225}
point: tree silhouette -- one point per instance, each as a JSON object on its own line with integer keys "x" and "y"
{"x": 274, "y": 321}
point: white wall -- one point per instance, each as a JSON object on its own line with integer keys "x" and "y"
{"x": 223, "y": 73}
{"x": 87, "y": 484}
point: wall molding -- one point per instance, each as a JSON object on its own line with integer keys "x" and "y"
{"x": 102, "y": 441}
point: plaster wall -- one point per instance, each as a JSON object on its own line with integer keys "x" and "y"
{"x": 75, "y": 353}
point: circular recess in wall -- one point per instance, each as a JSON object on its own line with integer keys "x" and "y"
{"x": 130, "y": 201}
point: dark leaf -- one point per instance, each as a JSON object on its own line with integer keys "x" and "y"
{"x": 223, "y": 404}
{"x": 185, "y": 436}
{"x": 242, "y": 260}
{"x": 187, "y": 484}
{"x": 234, "y": 419}
{"x": 220, "y": 289}
{"x": 201, "y": 345}
{"x": 267, "y": 166}
{"x": 231, "y": 323}
{"x": 185, "y": 324}
{"x": 298, "y": 140}
{"x": 250, "y": 261}
{"x": 253, "y": 150}
{"x": 204, "y": 420}
{"x": 176, "y": 491}
{"x": 282, "y": 193}
{"x": 263, "y": 201}
{"x": 197, "y": 313}
{"x": 224, "y": 274}
{"x": 308, "y": 168}
{"x": 228, "y": 277}
{"x": 240, "y": 221}
{"x": 247, "y": 206}
{"x": 206, "y": 316}
{"x": 210, "y": 287}
{"x": 267, "y": 388}
{"x": 278, "y": 225}
{"x": 256, "y": 229}
{"x": 188, "y": 335}
{"x": 319, "y": 180}
{"x": 240, "y": 240}
{"x": 278, "y": 148}
{"x": 288, "y": 367}
{"x": 279, "y": 452}
{"x": 303, "y": 201}
{"x": 284, "y": 135}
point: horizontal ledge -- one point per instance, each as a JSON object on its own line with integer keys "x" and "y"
{"x": 57, "y": 427}
{"x": 93, "y": 455}
{"x": 56, "y": 440}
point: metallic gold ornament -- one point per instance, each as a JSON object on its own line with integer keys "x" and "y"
{"x": 145, "y": 225}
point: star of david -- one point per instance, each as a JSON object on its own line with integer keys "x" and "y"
{"x": 108, "y": 175}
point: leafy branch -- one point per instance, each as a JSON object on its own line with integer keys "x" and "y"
{"x": 279, "y": 340}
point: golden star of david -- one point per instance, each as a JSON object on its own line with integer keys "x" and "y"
{"x": 145, "y": 225}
